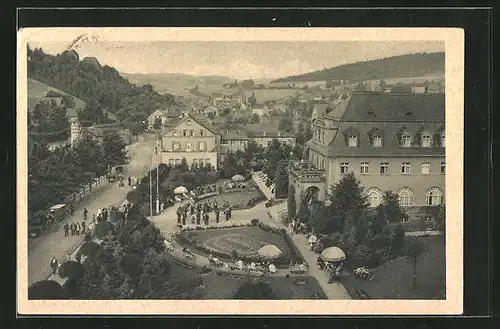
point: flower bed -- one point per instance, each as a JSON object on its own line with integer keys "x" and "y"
{"x": 290, "y": 255}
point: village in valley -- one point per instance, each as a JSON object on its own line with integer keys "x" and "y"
{"x": 325, "y": 184}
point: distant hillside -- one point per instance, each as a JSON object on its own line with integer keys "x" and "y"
{"x": 177, "y": 83}
{"x": 100, "y": 86}
{"x": 37, "y": 89}
{"x": 404, "y": 66}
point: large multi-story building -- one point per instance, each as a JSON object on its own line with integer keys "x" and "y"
{"x": 190, "y": 137}
{"x": 195, "y": 139}
{"x": 390, "y": 141}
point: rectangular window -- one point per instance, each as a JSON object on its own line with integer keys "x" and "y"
{"x": 184, "y": 132}
{"x": 344, "y": 168}
{"x": 175, "y": 132}
{"x": 443, "y": 168}
{"x": 364, "y": 168}
{"x": 177, "y": 162}
{"x": 353, "y": 141}
{"x": 171, "y": 162}
{"x": 191, "y": 133}
{"x": 323, "y": 137}
{"x": 176, "y": 146}
{"x": 224, "y": 142}
{"x": 377, "y": 141}
{"x": 201, "y": 146}
{"x": 406, "y": 140}
{"x": 188, "y": 147}
{"x": 406, "y": 168}
{"x": 384, "y": 168}
{"x": 426, "y": 168}
{"x": 426, "y": 141}
{"x": 201, "y": 132}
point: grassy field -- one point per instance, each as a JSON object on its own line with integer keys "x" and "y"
{"x": 393, "y": 280}
{"x": 37, "y": 89}
{"x": 245, "y": 240}
{"x": 219, "y": 287}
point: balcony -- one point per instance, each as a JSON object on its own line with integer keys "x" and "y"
{"x": 304, "y": 171}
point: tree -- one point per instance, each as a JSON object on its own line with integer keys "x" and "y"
{"x": 281, "y": 179}
{"x": 273, "y": 154}
{"x": 286, "y": 124}
{"x": 46, "y": 290}
{"x": 114, "y": 149}
{"x": 255, "y": 118}
{"x": 92, "y": 113}
{"x": 291, "y": 203}
{"x": 255, "y": 290}
{"x": 389, "y": 210}
{"x": 414, "y": 250}
{"x": 157, "y": 124}
{"x": 398, "y": 239}
{"x": 347, "y": 201}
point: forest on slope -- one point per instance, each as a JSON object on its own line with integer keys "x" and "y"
{"x": 101, "y": 87}
{"x": 404, "y": 66}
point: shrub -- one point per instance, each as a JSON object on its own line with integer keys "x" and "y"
{"x": 103, "y": 229}
{"x": 362, "y": 255}
{"x": 71, "y": 270}
{"x": 255, "y": 290}
{"x": 131, "y": 265}
{"x": 318, "y": 247}
{"x": 254, "y": 221}
{"x": 48, "y": 289}
{"x": 89, "y": 249}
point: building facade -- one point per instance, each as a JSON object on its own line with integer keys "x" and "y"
{"x": 391, "y": 142}
{"x": 192, "y": 138}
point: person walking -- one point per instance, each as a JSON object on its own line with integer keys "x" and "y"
{"x": 217, "y": 215}
{"x": 198, "y": 217}
{"x": 85, "y": 213}
{"x": 54, "y": 264}
{"x": 72, "y": 228}
{"x": 130, "y": 181}
{"x": 78, "y": 229}
{"x": 71, "y": 209}
{"x": 229, "y": 211}
{"x": 205, "y": 218}
{"x": 179, "y": 215}
{"x": 66, "y": 229}
{"x": 83, "y": 227}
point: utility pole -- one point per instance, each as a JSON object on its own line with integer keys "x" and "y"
{"x": 157, "y": 190}
{"x": 151, "y": 190}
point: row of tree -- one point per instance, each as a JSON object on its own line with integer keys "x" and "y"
{"x": 55, "y": 175}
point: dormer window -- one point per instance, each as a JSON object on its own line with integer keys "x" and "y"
{"x": 377, "y": 141}
{"x": 426, "y": 140}
{"x": 406, "y": 140}
{"x": 352, "y": 141}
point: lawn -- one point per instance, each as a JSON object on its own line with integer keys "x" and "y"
{"x": 238, "y": 199}
{"x": 393, "y": 280}
{"x": 220, "y": 287}
{"x": 245, "y": 240}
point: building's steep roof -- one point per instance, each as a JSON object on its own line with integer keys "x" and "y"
{"x": 363, "y": 106}
{"x": 71, "y": 112}
{"x": 198, "y": 119}
{"x": 391, "y": 139}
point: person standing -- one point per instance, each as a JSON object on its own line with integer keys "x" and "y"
{"x": 71, "y": 209}
{"x": 198, "y": 217}
{"x": 66, "y": 229}
{"x": 179, "y": 215}
{"x": 83, "y": 227}
{"x": 217, "y": 214}
{"x": 72, "y": 228}
{"x": 130, "y": 181}
{"x": 205, "y": 218}
{"x": 229, "y": 211}
{"x": 193, "y": 218}
{"x": 85, "y": 213}
{"x": 78, "y": 229}
{"x": 54, "y": 264}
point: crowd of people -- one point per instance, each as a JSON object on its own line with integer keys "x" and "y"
{"x": 196, "y": 212}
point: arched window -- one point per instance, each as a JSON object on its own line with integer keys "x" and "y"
{"x": 406, "y": 197}
{"x": 374, "y": 197}
{"x": 434, "y": 197}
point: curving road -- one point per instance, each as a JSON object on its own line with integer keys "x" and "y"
{"x": 55, "y": 244}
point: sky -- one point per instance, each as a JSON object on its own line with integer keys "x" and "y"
{"x": 238, "y": 59}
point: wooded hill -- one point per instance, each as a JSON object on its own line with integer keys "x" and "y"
{"x": 101, "y": 87}
{"x": 404, "y": 66}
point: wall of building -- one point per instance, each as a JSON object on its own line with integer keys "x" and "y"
{"x": 176, "y": 157}
{"x": 176, "y": 136}
{"x": 265, "y": 141}
{"x": 394, "y": 180}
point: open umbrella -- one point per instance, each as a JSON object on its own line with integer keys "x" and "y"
{"x": 270, "y": 251}
{"x": 180, "y": 190}
{"x": 238, "y": 178}
{"x": 333, "y": 254}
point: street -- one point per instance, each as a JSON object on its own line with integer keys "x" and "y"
{"x": 54, "y": 244}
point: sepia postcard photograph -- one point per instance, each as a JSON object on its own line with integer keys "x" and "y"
{"x": 240, "y": 171}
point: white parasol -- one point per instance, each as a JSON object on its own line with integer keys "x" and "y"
{"x": 333, "y": 254}
{"x": 180, "y": 190}
{"x": 238, "y": 178}
{"x": 270, "y": 251}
